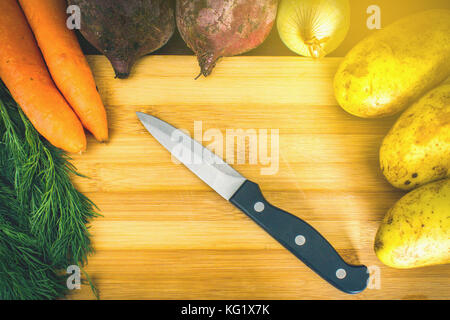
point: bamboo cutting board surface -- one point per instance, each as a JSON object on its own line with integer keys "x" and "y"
{"x": 165, "y": 235}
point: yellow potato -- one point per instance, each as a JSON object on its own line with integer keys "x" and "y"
{"x": 416, "y": 231}
{"x": 417, "y": 149}
{"x": 393, "y": 67}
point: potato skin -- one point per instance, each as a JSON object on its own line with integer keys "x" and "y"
{"x": 417, "y": 149}
{"x": 416, "y": 231}
{"x": 393, "y": 67}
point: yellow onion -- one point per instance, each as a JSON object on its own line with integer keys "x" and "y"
{"x": 313, "y": 28}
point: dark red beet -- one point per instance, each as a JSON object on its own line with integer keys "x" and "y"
{"x": 124, "y": 31}
{"x": 220, "y": 28}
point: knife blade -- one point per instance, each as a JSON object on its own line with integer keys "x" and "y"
{"x": 301, "y": 239}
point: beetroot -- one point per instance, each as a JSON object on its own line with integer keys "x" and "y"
{"x": 219, "y": 28}
{"x": 124, "y": 31}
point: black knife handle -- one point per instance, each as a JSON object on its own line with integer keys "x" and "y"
{"x": 301, "y": 239}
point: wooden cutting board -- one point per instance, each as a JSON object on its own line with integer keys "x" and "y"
{"x": 165, "y": 235}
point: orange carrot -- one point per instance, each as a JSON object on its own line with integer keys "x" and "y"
{"x": 24, "y": 72}
{"x": 67, "y": 63}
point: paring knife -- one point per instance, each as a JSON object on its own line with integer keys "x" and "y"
{"x": 293, "y": 233}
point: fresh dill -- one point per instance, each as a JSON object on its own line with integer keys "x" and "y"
{"x": 43, "y": 218}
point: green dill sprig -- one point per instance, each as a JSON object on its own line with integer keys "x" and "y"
{"x": 24, "y": 273}
{"x": 43, "y": 218}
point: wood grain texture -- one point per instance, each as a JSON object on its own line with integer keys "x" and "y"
{"x": 166, "y": 235}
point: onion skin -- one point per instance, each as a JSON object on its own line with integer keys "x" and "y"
{"x": 124, "y": 31}
{"x": 313, "y": 28}
{"x": 223, "y": 28}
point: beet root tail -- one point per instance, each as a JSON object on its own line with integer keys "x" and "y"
{"x": 207, "y": 62}
{"x": 122, "y": 68}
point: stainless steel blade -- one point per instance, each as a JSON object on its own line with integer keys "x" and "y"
{"x": 201, "y": 161}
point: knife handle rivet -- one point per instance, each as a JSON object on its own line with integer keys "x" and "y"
{"x": 341, "y": 274}
{"x": 259, "y": 207}
{"x": 300, "y": 240}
